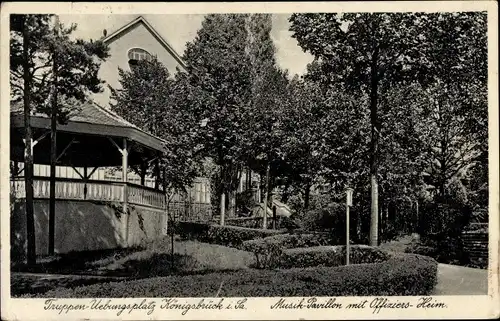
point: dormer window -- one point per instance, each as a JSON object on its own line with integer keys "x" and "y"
{"x": 136, "y": 54}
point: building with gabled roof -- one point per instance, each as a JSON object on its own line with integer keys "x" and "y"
{"x": 135, "y": 40}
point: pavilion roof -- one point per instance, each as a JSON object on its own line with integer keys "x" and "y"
{"x": 91, "y": 119}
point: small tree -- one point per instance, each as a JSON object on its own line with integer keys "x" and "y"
{"x": 219, "y": 87}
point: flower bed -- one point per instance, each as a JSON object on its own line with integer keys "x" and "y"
{"x": 406, "y": 274}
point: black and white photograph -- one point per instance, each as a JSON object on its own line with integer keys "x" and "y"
{"x": 297, "y": 156}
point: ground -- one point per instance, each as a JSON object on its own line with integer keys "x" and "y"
{"x": 191, "y": 258}
{"x": 459, "y": 280}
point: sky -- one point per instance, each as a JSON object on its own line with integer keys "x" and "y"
{"x": 180, "y": 29}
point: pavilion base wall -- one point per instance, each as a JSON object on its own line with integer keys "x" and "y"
{"x": 84, "y": 226}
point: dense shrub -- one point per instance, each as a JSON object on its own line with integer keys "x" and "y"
{"x": 420, "y": 249}
{"x": 443, "y": 248}
{"x": 232, "y": 236}
{"x": 328, "y": 217}
{"x": 330, "y": 256}
{"x": 469, "y": 249}
{"x": 402, "y": 275}
{"x": 444, "y": 217}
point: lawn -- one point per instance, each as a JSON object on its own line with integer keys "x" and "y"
{"x": 152, "y": 260}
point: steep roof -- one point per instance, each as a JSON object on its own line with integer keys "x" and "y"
{"x": 88, "y": 112}
{"x": 140, "y": 20}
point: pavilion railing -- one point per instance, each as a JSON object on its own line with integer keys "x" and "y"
{"x": 91, "y": 190}
{"x": 187, "y": 207}
{"x": 146, "y": 196}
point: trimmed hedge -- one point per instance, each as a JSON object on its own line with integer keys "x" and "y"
{"x": 232, "y": 236}
{"x": 268, "y": 250}
{"x": 330, "y": 256}
{"x": 406, "y": 274}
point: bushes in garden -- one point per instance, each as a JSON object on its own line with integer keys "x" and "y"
{"x": 232, "y": 236}
{"x": 470, "y": 248}
{"x": 269, "y": 249}
{"x": 305, "y": 250}
{"x": 402, "y": 275}
{"x": 330, "y": 256}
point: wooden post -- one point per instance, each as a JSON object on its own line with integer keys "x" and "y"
{"x": 348, "y": 203}
{"x": 125, "y": 190}
{"x": 85, "y": 178}
{"x": 157, "y": 173}
{"x": 347, "y": 246}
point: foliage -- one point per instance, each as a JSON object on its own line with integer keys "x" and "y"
{"x": 424, "y": 94}
{"x": 363, "y": 53}
{"x": 302, "y": 155}
{"x": 59, "y": 66}
{"x": 218, "y": 84}
{"x": 448, "y": 251}
{"x": 232, "y": 81}
{"x": 149, "y": 98}
{"x": 245, "y": 202}
{"x": 405, "y": 275}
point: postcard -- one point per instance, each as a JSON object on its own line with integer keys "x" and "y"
{"x": 249, "y": 160}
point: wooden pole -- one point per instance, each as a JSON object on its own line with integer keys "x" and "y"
{"x": 157, "y": 173}
{"x": 85, "y": 178}
{"x": 348, "y": 203}
{"x": 28, "y": 149}
{"x": 347, "y": 246}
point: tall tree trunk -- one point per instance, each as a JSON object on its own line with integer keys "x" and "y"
{"x": 307, "y": 195}
{"x": 234, "y": 179}
{"x": 266, "y": 195}
{"x": 231, "y": 206}
{"x": 28, "y": 151}
{"x": 222, "y": 208}
{"x": 375, "y": 131}
{"x": 53, "y": 155}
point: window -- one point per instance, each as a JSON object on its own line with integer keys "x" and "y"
{"x": 136, "y": 54}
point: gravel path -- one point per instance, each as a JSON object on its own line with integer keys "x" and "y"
{"x": 459, "y": 280}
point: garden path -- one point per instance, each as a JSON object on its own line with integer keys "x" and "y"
{"x": 459, "y": 280}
